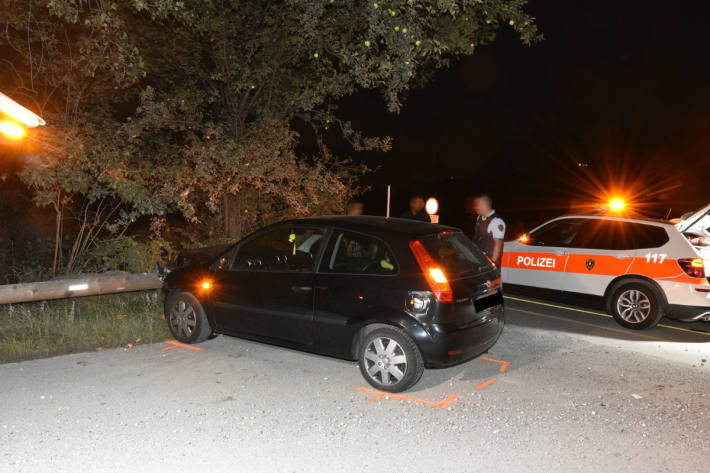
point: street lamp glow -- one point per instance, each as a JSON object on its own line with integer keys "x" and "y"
{"x": 617, "y": 204}
{"x": 431, "y": 206}
{"x": 12, "y": 130}
{"x": 19, "y": 113}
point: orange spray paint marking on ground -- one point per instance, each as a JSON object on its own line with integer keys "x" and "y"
{"x": 379, "y": 395}
{"x": 490, "y": 381}
{"x": 503, "y": 364}
{"x": 176, "y": 344}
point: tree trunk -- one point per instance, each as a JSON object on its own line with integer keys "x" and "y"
{"x": 232, "y": 217}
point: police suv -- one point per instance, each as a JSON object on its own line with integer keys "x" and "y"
{"x": 638, "y": 270}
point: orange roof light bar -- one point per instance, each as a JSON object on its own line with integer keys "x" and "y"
{"x": 617, "y": 204}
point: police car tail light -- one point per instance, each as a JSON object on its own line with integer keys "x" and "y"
{"x": 693, "y": 267}
{"x": 434, "y": 275}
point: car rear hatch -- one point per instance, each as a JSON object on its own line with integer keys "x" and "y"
{"x": 695, "y": 227}
{"x": 473, "y": 280}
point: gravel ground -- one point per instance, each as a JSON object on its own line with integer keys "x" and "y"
{"x": 580, "y": 394}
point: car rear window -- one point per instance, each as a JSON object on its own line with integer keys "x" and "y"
{"x": 455, "y": 253}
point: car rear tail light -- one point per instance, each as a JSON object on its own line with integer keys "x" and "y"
{"x": 693, "y": 267}
{"x": 434, "y": 275}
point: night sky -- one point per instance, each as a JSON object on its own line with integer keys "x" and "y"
{"x": 616, "y": 98}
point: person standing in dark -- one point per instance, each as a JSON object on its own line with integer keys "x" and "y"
{"x": 354, "y": 207}
{"x": 490, "y": 229}
{"x": 416, "y": 209}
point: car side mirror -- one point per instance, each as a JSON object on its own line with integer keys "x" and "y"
{"x": 299, "y": 260}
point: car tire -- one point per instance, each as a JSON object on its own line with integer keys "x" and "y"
{"x": 636, "y": 305}
{"x": 186, "y": 318}
{"x": 390, "y": 360}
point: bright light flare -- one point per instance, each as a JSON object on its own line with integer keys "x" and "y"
{"x": 524, "y": 239}
{"x": 431, "y": 206}
{"x": 12, "y": 130}
{"x": 617, "y": 204}
{"x": 438, "y": 275}
{"x": 17, "y": 112}
{"x": 206, "y": 285}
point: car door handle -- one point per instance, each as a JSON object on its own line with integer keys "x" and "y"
{"x": 295, "y": 288}
{"x": 559, "y": 253}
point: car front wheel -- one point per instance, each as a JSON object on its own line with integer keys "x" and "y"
{"x": 390, "y": 360}
{"x": 186, "y": 318}
{"x": 636, "y": 306}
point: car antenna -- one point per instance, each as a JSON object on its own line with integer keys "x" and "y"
{"x": 388, "y": 200}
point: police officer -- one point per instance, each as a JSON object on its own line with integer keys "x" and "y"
{"x": 490, "y": 229}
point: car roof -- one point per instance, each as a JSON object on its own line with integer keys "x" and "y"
{"x": 375, "y": 224}
{"x": 618, "y": 219}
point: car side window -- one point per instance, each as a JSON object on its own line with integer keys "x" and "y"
{"x": 281, "y": 249}
{"x": 597, "y": 234}
{"x": 557, "y": 233}
{"x": 353, "y": 253}
{"x": 618, "y": 235}
{"x": 649, "y": 236}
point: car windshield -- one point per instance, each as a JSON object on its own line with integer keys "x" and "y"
{"x": 455, "y": 253}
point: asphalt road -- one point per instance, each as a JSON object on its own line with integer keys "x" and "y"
{"x": 563, "y": 390}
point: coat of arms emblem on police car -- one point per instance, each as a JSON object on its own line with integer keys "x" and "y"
{"x": 590, "y": 264}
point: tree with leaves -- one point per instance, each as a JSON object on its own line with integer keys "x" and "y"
{"x": 191, "y": 107}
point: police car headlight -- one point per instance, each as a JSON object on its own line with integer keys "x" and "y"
{"x": 418, "y": 304}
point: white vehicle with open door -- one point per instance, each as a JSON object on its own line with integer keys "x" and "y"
{"x": 695, "y": 226}
{"x": 637, "y": 269}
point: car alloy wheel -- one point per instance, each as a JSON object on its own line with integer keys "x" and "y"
{"x": 633, "y": 306}
{"x": 386, "y": 361}
{"x": 183, "y": 319}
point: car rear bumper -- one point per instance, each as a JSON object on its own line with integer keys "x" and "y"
{"x": 688, "y": 312}
{"x": 445, "y": 345}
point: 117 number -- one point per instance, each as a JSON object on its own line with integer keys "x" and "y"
{"x": 655, "y": 257}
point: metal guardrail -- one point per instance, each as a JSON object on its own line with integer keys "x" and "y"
{"x": 85, "y": 285}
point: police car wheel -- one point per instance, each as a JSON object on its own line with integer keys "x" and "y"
{"x": 186, "y": 318}
{"x": 390, "y": 360}
{"x": 636, "y": 306}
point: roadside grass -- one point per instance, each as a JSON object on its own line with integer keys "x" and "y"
{"x": 40, "y": 329}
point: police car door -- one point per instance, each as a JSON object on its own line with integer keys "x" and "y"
{"x": 602, "y": 250}
{"x": 540, "y": 261}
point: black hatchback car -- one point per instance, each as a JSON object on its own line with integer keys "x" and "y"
{"x": 396, "y": 295}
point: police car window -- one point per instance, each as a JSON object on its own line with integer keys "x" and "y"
{"x": 600, "y": 234}
{"x": 353, "y": 253}
{"x": 557, "y": 233}
{"x": 649, "y": 236}
{"x": 618, "y": 235}
{"x": 282, "y": 249}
